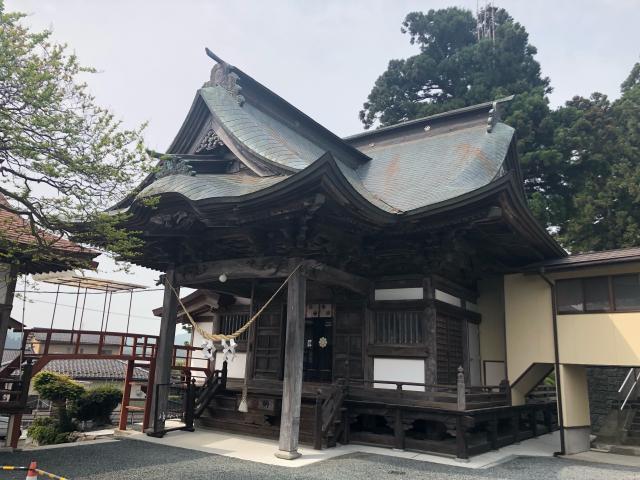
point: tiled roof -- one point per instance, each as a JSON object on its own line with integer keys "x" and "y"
{"x": 8, "y": 356}
{"x": 94, "y": 369}
{"x": 417, "y": 170}
{"x": 208, "y": 186}
{"x": 398, "y": 169}
{"x": 406, "y": 172}
{"x": 622, "y": 255}
{"x": 256, "y": 131}
{"x": 17, "y": 229}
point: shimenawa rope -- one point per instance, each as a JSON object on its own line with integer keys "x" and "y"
{"x": 218, "y": 337}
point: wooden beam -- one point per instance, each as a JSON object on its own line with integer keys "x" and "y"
{"x": 322, "y": 273}
{"x": 162, "y": 374}
{"x": 293, "y": 366}
{"x": 243, "y": 268}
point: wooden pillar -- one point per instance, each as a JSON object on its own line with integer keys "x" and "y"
{"x": 164, "y": 353}
{"x": 8, "y": 277}
{"x": 293, "y": 356}
{"x": 430, "y": 314}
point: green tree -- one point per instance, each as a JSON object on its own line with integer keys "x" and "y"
{"x": 59, "y": 389}
{"x": 599, "y": 141}
{"x": 580, "y": 162}
{"x": 453, "y": 68}
{"x": 63, "y": 158}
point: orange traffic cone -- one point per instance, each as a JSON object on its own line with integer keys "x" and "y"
{"x": 32, "y": 474}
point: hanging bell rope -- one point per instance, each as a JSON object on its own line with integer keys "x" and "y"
{"x": 220, "y": 337}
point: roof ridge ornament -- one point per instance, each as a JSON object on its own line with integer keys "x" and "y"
{"x": 211, "y": 143}
{"x": 174, "y": 166}
{"x": 222, "y": 75}
{"x": 494, "y": 116}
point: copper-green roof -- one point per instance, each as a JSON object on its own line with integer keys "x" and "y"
{"x": 397, "y": 169}
{"x": 201, "y": 187}
{"x": 425, "y": 169}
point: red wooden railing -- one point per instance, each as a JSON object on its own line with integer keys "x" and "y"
{"x": 108, "y": 345}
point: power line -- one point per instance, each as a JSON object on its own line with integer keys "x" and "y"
{"x": 98, "y": 293}
{"x": 93, "y": 310}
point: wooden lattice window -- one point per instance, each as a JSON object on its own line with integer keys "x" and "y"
{"x": 404, "y": 327}
{"x": 230, "y": 322}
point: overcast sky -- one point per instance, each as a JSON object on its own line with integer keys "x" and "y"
{"x": 322, "y": 56}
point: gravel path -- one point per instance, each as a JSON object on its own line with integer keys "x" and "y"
{"x": 130, "y": 459}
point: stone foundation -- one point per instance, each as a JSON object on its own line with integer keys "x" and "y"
{"x": 604, "y": 383}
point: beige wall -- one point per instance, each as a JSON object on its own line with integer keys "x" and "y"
{"x": 70, "y": 348}
{"x": 575, "y": 396}
{"x": 600, "y": 339}
{"x": 491, "y": 307}
{"x": 529, "y": 323}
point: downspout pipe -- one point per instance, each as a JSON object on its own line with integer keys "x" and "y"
{"x": 556, "y": 351}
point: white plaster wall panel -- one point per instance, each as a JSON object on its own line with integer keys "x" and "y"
{"x": 235, "y": 367}
{"x": 472, "y": 307}
{"x": 398, "y": 370}
{"x": 448, "y": 298}
{"x": 389, "y": 294}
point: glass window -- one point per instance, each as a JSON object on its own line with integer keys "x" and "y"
{"x": 569, "y": 296}
{"x": 626, "y": 292}
{"x": 596, "y": 294}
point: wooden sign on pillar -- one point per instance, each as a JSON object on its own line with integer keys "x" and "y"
{"x": 293, "y": 366}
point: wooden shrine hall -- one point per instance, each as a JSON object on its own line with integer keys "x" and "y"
{"x": 390, "y": 330}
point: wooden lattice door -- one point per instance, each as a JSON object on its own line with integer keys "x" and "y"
{"x": 450, "y": 356}
{"x": 348, "y": 350}
{"x": 268, "y": 344}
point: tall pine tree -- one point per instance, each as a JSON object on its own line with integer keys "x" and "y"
{"x": 580, "y": 162}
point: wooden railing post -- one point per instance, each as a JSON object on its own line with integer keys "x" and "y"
{"x": 493, "y": 432}
{"x": 398, "y": 430}
{"x": 533, "y": 420}
{"x": 461, "y": 388}
{"x": 190, "y": 407}
{"x": 461, "y": 439}
{"x": 223, "y": 379}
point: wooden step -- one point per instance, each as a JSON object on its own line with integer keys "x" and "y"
{"x": 133, "y": 408}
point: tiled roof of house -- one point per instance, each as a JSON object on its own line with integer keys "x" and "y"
{"x": 8, "y": 356}
{"x": 94, "y": 369}
{"x": 86, "y": 339}
{"x": 16, "y": 229}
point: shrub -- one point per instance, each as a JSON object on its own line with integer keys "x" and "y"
{"x": 47, "y": 431}
{"x": 97, "y": 404}
{"x": 58, "y": 388}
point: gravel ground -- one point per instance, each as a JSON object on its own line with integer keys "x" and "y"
{"x": 130, "y": 459}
